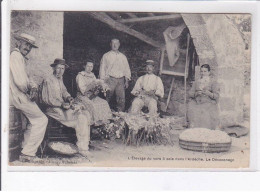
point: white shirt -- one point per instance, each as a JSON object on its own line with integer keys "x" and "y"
{"x": 20, "y": 83}
{"x": 114, "y": 64}
{"x": 54, "y": 92}
{"x": 147, "y": 83}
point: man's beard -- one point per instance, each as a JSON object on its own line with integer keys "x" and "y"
{"x": 58, "y": 75}
{"x": 25, "y": 52}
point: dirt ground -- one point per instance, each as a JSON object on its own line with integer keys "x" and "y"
{"x": 116, "y": 154}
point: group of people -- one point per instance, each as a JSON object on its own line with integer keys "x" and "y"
{"x": 87, "y": 108}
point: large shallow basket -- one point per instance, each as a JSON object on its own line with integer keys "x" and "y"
{"x": 205, "y": 147}
{"x": 71, "y": 146}
{"x": 208, "y": 147}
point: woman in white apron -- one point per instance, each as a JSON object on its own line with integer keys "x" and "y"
{"x": 88, "y": 88}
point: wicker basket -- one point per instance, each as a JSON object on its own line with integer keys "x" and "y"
{"x": 204, "y": 147}
{"x": 205, "y": 140}
{"x": 72, "y": 146}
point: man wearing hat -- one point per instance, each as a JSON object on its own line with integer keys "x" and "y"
{"x": 61, "y": 106}
{"x": 148, "y": 89}
{"x": 23, "y": 92}
{"x": 115, "y": 71}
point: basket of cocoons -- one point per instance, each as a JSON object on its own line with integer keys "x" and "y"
{"x": 205, "y": 140}
{"x": 63, "y": 147}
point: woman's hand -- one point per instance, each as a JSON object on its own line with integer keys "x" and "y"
{"x": 65, "y": 105}
{"x": 136, "y": 93}
{"x": 198, "y": 93}
{"x": 70, "y": 99}
{"x": 96, "y": 92}
{"x": 33, "y": 94}
{"x": 105, "y": 88}
{"x": 126, "y": 83}
{"x": 207, "y": 93}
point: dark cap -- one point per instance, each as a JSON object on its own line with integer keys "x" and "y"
{"x": 59, "y": 62}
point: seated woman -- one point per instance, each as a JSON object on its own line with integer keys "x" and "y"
{"x": 88, "y": 89}
{"x": 203, "y": 107}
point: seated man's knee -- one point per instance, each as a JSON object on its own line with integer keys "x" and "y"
{"x": 82, "y": 118}
{"x": 44, "y": 118}
{"x": 153, "y": 102}
{"x": 40, "y": 120}
{"x": 137, "y": 105}
{"x": 152, "y": 106}
{"x": 137, "y": 102}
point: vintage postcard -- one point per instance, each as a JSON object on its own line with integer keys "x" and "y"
{"x": 129, "y": 89}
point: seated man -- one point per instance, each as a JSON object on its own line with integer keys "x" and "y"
{"x": 60, "y": 106}
{"x": 23, "y": 92}
{"x": 148, "y": 89}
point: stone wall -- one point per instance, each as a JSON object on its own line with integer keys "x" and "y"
{"x": 47, "y": 28}
{"x": 230, "y": 52}
{"x": 243, "y": 24}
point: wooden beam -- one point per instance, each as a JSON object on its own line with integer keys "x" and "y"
{"x": 132, "y": 15}
{"x": 114, "y": 15}
{"x": 150, "y": 14}
{"x": 150, "y": 18}
{"x": 103, "y": 17}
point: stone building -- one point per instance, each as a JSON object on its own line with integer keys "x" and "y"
{"x": 75, "y": 36}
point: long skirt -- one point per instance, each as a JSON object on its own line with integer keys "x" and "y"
{"x": 98, "y": 108}
{"x": 203, "y": 115}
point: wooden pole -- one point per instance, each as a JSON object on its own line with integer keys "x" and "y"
{"x": 193, "y": 62}
{"x": 185, "y": 76}
{"x": 169, "y": 95}
{"x": 161, "y": 60}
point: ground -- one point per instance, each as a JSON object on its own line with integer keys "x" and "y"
{"x": 108, "y": 153}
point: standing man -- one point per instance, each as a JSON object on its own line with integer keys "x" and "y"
{"x": 115, "y": 71}
{"x": 61, "y": 107}
{"x": 23, "y": 92}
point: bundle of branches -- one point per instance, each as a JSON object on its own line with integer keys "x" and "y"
{"x": 112, "y": 130}
{"x": 138, "y": 129}
{"x": 143, "y": 129}
{"x": 95, "y": 87}
{"x": 115, "y": 129}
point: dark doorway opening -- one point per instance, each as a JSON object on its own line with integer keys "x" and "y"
{"x": 85, "y": 37}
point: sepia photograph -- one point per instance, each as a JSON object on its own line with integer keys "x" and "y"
{"x": 129, "y": 89}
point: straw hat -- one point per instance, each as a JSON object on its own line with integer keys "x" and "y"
{"x": 27, "y": 38}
